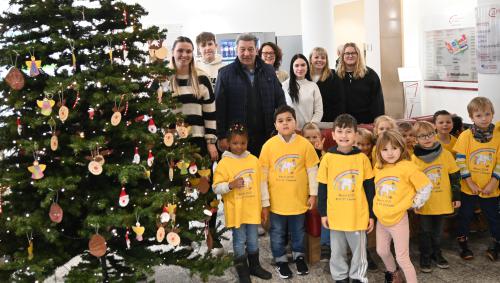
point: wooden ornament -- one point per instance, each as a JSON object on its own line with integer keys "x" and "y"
{"x": 63, "y": 113}
{"x": 139, "y": 231}
{"x": 37, "y": 170}
{"x": 204, "y": 185}
{"x": 168, "y": 139}
{"x": 97, "y": 245}
{"x": 99, "y": 159}
{"x": 55, "y": 213}
{"x": 182, "y": 130}
{"x": 160, "y": 234}
{"x": 95, "y": 167}
{"x": 54, "y": 143}
{"x": 173, "y": 239}
{"x": 46, "y": 106}
{"x": 15, "y": 79}
{"x": 34, "y": 66}
{"x": 116, "y": 118}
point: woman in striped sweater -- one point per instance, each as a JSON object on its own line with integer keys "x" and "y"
{"x": 195, "y": 93}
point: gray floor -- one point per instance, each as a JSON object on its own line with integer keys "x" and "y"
{"x": 480, "y": 269}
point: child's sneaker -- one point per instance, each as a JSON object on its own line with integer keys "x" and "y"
{"x": 441, "y": 262}
{"x": 465, "y": 253}
{"x": 425, "y": 264}
{"x": 393, "y": 277}
{"x": 301, "y": 266}
{"x": 283, "y": 270}
{"x": 493, "y": 251}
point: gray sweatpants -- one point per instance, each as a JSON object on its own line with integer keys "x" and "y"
{"x": 339, "y": 240}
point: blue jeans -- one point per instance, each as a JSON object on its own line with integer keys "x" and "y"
{"x": 325, "y": 236}
{"x": 281, "y": 226}
{"x": 245, "y": 235}
{"x": 489, "y": 206}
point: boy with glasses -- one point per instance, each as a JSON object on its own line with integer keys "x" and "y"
{"x": 440, "y": 167}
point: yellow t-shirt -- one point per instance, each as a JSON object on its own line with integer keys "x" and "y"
{"x": 287, "y": 164}
{"x": 241, "y": 205}
{"x": 396, "y": 186}
{"x": 480, "y": 159}
{"x": 448, "y": 146}
{"x": 347, "y": 207}
{"x": 438, "y": 172}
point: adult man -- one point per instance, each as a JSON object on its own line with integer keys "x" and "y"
{"x": 247, "y": 91}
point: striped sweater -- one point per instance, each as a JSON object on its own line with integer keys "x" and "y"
{"x": 199, "y": 113}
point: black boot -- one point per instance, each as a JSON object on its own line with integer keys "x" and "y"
{"x": 241, "y": 266}
{"x": 465, "y": 253}
{"x": 493, "y": 251}
{"x": 256, "y": 269}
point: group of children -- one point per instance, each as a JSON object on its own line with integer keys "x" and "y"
{"x": 359, "y": 187}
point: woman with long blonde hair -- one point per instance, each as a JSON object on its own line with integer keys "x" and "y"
{"x": 330, "y": 86}
{"x": 361, "y": 85}
{"x": 194, "y": 92}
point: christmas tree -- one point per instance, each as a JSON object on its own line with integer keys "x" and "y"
{"x": 96, "y": 161}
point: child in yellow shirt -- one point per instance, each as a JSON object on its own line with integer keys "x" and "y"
{"x": 443, "y": 122}
{"x": 345, "y": 197}
{"x": 237, "y": 179}
{"x": 478, "y": 156}
{"x": 440, "y": 167}
{"x": 365, "y": 141}
{"x": 289, "y": 168}
{"x": 406, "y": 130}
{"x": 381, "y": 124}
{"x": 399, "y": 185}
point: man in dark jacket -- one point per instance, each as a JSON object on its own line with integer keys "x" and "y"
{"x": 247, "y": 91}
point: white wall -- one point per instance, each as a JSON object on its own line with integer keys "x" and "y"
{"x": 425, "y": 15}
{"x": 224, "y": 16}
{"x": 349, "y": 23}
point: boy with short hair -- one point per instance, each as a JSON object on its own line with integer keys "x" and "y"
{"x": 345, "y": 197}
{"x": 210, "y": 62}
{"x": 478, "y": 156}
{"x": 440, "y": 167}
{"x": 289, "y": 167}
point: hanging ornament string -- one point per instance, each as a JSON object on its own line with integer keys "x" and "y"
{"x": 14, "y": 62}
{"x": 73, "y": 57}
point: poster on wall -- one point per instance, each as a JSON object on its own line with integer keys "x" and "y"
{"x": 488, "y": 39}
{"x": 451, "y": 55}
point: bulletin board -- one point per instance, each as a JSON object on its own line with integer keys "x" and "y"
{"x": 450, "y": 55}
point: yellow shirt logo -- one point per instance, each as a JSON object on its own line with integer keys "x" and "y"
{"x": 286, "y": 164}
{"x": 346, "y": 181}
{"x": 386, "y": 186}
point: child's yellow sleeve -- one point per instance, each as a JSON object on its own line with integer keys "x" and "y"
{"x": 368, "y": 169}
{"x": 311, "y": 156}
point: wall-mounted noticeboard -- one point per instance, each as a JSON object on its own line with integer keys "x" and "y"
{"x": 450, "y": 55}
